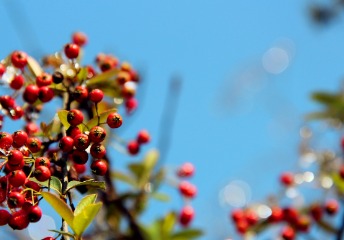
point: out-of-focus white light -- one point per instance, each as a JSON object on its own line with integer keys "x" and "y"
{"x": 298, "y": 178}
{"x": 308, "y": 176}
{"x": 236, "y": 194}
{"x": 275, "y": 60}
{"x": 326, "y": 182}
{"x": 264, "y": 211}
{"x": 291, "y": 193}
{"x": 40, "y": 230}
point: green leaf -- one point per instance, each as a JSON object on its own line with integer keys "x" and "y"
{"x": 167, "y": 225}
{"x": 100, "y": 78}
{"x": 54, "y": 183}
{"x": 63, "y": 118}
{"x": 326, "y": 98}
{"x": 82, "y": 74}
{"x": 67, "y": 234}
{"x": 338, "y": 182}
{"x": 318, "y": 115}
{"x": 84, "y": 203}
{"x": 90, "y": 183}
{"x": 160, "y": 197}
{"x": 123, "y": 177}
{"x": 102, "y": 118}
{"x": 84, "y": 218}
{"x": 60, "y": 207}
{"x": 187, "y": 234}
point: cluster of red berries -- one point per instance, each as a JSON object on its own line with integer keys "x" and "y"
{"x": 30, "y": 157}
{"x": 188, "y": 191}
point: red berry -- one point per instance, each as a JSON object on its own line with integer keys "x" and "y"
{"x": 48, "y": 238}
{"x": 17, "y": 82}
{"x": 34, "y": 144}
{"x": 75, "y": 117}
{"x": 186, "y": 215}
{"x": 73, "y": 131}
{"x": 251, "y": 217}
{"x": 45, "y": 94}
{"x": 19, "y": 220}
{"x": 42, "y": 173}
{"x": 66, "y": 144}
{"x": 290, "y": 214}
{"x": 80, "y": 156}
{"x": 16, "y": 178}
{"x": 6, "y": 140}
{"x": 79, "y": 168}
{"x": 237, "y": 214}
{"x": 19, "y": 59}
{"x": 11, "y": 167}
{"x": 186, "y": 170}
{"x": 16, "y": 113}
{"x": 341, "y": 171}
{"x": 71, "y": 50}
{"x": 303, "y": 223}
{"x": 96, "y": 95}
{"x": 331, "y": 207}
{"x": 143, "y": 137}
{"x": 33, "y": 185}
{"x": 19, "y": 138}
{"x": 34, "y": 213}
{"x": 99, "y": 167}
{"x": 79, "y": 38}
{"x": 15, "y": 157}
{"x": 316, "y": 211}
{"x": 276, "y": 214}
{"x": 5, "y": 216}
{"x": 131, "y": 104}
{"x": 288, "y": 233}
{"x": 7, "y": 102}
{"x": 42, "y": 161}
{"x": 114, "y": 120}
{"x": 2, "y": 69}
{"x": 15, "y": 200}
{"x": 97, "y": 134}
{"x": 30, "y": 94}
{"x": 90, "y": 72}
{"x": 81, "y": 141}
{"x": 133, "y": 147}
{"x": 45, "y": 79}
{"x": 122, "y": 77}
{"x": 31, "y": 128}
{"x": 98, "y": 150}
{"x": 187, "y": 189}
{"x": 80, "y": 94}
{"x": 242, "y": 226}
{"x": 287, "y": 179}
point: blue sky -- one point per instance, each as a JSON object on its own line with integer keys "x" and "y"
{"x": 253, "y": 135}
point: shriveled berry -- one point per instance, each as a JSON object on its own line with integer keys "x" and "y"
{"x": 98, "y": 150}
{"x": 17, "y": 82}
{"x": 34, "y": 144}
{"x": 186, "y": 170}
{"x": 19, "y": 220}
{"x": 114, "y": 120}
{"x": 19, "y": 59}
{"x": 186, "y": 215}
{"x": 17, "y": 178}
{"x": 42, "y": 173}
{"x": 30, "y": 94}
{"x": 80, "y": 156}
{"x": 5, "y": 216}
{"x": 19, "y": 138}
{"x": 75, "y": 117}
{"x": 96, "y": 95}
{"x": 99, "y": 167}
{"x": 97, "y": 134}
{"x": 71, "y": 50}
{"x": 187, "y": 189}
{"x": 66, "y": 144}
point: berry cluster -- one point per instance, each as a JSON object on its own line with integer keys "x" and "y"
{"x": 62, "y": 147}
{"x": 188, "y": 191}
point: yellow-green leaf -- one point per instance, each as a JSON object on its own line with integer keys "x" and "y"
{"x": 90, "y": 183}
{"x": 84, "y": 203}
{"x": 99, "y": 78}
{"x": 54, "y": 183}
{"x": 63, "y": 118}
{"x": 117, "y": 175}
{"x": 187, "y": 234}
{"x": 84, "y": 218}
{"x": 60, "y": 207}
{"x": 102, "y": 118}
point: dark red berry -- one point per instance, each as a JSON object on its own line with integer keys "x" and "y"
{"x": 316, "y": 211}
{"x": 290, "y": 214}
{"x": 96, "y": 95}
{"x": 15, "y": 200}
{"x": 99, "y": 167}
{"x": 97, "y": 134}
{"x": 71, "y": 50}
{"x": 81, "y": 141}
{"x": 7, "y": 102}
{"x": 80, "y": 94}
{"x": 5, "y": 216}
{"x": 34, "y": 144}
{"x": 186, "y": 215}
{"x": 19, "y": 59}
{"x": 79, "y": 168}
{"x": 42, "y": 173}
{"x": 45, "y": 94}
{"x": 75, "y": 117}
{"x": 15, "y": 157}
{"x": 331, "y": 207}
{"x": 17, "y": 82}
{"x": 16, "y": 178}
{"x": 143, "y": 137}
{"x": 19, "y": 138}
{"x": 303, "y": 223}
{"x": 66, "y": 144}
{"x": 16, "y": 113}
{"x": 42, "y": 161}
{"x": 187, "y": 189}
{"x": 98, "y": 150}
{"x": 73, "y": 131}
{"x": 287, "y": 179}
{"x": 34, "y": 213}
{"x": 19, "y": 220}
{"x": 31, "y": 93}
{"x": 114, "y": 120}
{"x": 133, "y": 147}
{"x": 6, "y": 140}
{"x": 80, "y": 156}
{"x": 57, "y": 77}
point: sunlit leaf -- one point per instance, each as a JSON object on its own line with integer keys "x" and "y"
{"x": 167, "y": 225}
{"x": 54, "y": 183}
{"x": 338, "y": 182}
{"x": 187, "y": 234}
{"x": 34, "y": 66}
{"x": 63, "y": 118}
{"x": 102, "y": 118}
{"x": 84, "y": 218}
{"x": 90, "y": 199}
{"x": 123, "y": 177}
{"x": 82, "y": 74}
{"x": 101, "y": 77}
{"x": 60, "y": 207}
{"x": 90, "y": 183}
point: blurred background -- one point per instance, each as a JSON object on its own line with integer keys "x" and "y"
{"x": 245, "y": 72}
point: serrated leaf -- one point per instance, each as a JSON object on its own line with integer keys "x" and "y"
{"x": 84, "y": 203}
{"x": 187, "y": 234}
{"x": 60, "y": 207}
{"x": 102, "y": 118}
{"x": 123, "y": 177}
{"x": 63, "y": 118}
{"x": 54, "y": 184}
{"x": 63, "y": 233}
{"x": 160, "y": 197}
{"x": 34, "y": 66}
{"x": 84, "y": 218}
{"x": 90, "y": 183}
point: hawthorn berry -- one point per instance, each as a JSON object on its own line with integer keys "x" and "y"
{"x": 71, "y": 50}
{"x": 17, "y": 82}
{"x": 45, "y": 79}
{"x": 7, "y": 102}
{"x": 290, "y": 214}
{"x": 42, "y": 173}
{"x": 42, "y": 161}
{"x": 98, "y": 150}
{"x": 143, "y": 137}
{"x": 276, "y": 215}
{"x": 31, "y": 128}
{"x": 18, "y": 220}
{"x": 79, "y": 38}
{"x": 79, "y": 168}
{"x": 73, "y": 131}
{"x": 331, "y": 207}
{"x": 316, "y": 211}
{"x": 288, "y": 233}
{"x": 96, "y": 95}
{"x": 16, "y": 113}
{"x": 80, "y": 156}
{"x": 6, "y": 140}
{"x": 15, "y": 200}
{"x": 19, "y": 59}
{"x": 19, "y": 138}
{"x": 303, "y": 223}
{"x": 31, "y": 93}
{"x": 80, "y": 94}
{"x": 251, "y": 217}
{"x": 5, "y": 216}
{"x": 186, "y": 170}
{"x": 75, "y": 117}
{"x": 129, "y": 90}
{"x": 187, "y": 189}
{"x": 133, "y": 147}
{"x": 186, "y": 215}
{"x": 2, "y": 69}
{"x": 15, "y": 157}
{"x": 99, "y": 167}
{"x": 114, "y": 120}
{"x": 97, "y": 134}
{"x": 122, "y": 77}
{"x": 81, "y": 141}
{"x": 287, "y": 179}
{"x": 131, "y": 104}
{"x": 34, "y": 213}
{"x": 242, "y": 226}
{"x": 34, "y": 144}
{"x": 237, "y": 214}
{"x": 11, "y": 167}
{"x": 16, "y": 178}
{"x": 66, "y": 144}
{"x": 45, "y": 94}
